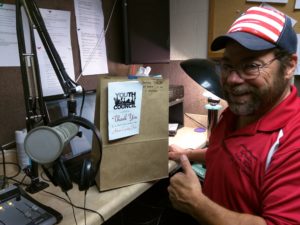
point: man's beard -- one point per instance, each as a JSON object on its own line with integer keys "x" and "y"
{"x": 261, "y": 99}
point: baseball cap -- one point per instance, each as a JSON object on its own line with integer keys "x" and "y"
{"x": 260, "y": 28}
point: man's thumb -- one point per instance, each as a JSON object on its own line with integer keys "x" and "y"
{"x": 185, "y": 163}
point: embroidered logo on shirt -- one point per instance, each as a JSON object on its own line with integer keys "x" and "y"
{"x": 245, "y": 159}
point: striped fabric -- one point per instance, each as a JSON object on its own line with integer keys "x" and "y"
{"x": 262, "y": 22}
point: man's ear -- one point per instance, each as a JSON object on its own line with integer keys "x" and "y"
{"x": 290, "y": 69}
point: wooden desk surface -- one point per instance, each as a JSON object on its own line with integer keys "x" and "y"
{"x": 108, "y": 203}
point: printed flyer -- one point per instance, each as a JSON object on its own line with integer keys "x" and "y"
{"x": 124, "y": 109}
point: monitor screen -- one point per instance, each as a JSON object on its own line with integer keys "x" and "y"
{"x": 58, "y": 108}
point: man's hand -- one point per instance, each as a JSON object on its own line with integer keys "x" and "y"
{"x": 196, "y": 155}
{"x": 185, "y": 188}
{"x": 175, "y": 152}
{"x": 186, "y": 195}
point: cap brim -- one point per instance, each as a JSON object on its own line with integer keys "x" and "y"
{"x": 247, "y": 40}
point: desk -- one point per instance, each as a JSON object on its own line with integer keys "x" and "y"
{"x": 109, "y": 202}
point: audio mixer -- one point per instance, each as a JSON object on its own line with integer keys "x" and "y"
{"x": 17, "y": 207}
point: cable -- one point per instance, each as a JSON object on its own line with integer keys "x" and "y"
{"x": 42, "y": 176}
{"x": 4, "y": 163}
{"x": 84, "y": 204}
{"x": 82, "y": 102}
{"x": 102, "y": 35}
{"x": 201, "y": 124}
{"x": 66, "y": 193}
{"x": 5, "y": 177}
{"x": 9, "y": 145}
{"x": 4, "y": 168}
{"x": 78, "y": 207}
{"x": 15, "y": 164}
{"x": 23, "y": 179}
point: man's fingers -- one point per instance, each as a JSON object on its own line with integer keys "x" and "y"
{"x": 185, "y": 164}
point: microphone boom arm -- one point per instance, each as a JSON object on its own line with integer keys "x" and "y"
{"x": 33, "y": 95}
{"x": 35, "y": 17}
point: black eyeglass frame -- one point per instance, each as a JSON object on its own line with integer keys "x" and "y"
{"x": 246, "y": 71}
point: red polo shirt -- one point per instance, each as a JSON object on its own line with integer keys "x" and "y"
{"x": 256, "y": 169}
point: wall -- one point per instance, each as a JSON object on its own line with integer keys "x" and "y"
{"x": 188, "y": 39}
{"x": 12, "y": 107}
{"x": 188, "y": 34}
{"x": 188, "y": 28}
{"x": 186, "y": 42}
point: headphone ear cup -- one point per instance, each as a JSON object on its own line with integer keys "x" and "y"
{"x": 88, "y": 170}
{"x": 86, "y": 175}
{"x": 61, "y": 175}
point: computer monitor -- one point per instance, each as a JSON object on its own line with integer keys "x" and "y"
{"x": 57, "y": 109}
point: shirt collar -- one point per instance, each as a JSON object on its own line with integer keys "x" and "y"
{"x": 281, "y": 114}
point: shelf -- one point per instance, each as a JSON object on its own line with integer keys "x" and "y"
{"x": 176, "y": 111}
{"x": 175, "y": 102}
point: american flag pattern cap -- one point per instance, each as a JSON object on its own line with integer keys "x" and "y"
{"x": 260, "y": 28}
{"x": 262, "y": 22}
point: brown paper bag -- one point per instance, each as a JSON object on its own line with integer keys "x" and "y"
{"x": 138, "y": 158}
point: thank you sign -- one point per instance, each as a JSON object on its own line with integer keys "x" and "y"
{"x": 124, "y": 108}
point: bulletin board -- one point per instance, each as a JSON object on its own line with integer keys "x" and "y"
{"x": 222, "y": 13}
{"x": 12, "y": 107}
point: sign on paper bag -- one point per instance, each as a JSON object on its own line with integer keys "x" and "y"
{"x": 138, "y": 157}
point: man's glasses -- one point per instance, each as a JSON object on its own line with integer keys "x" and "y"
{"x": 246, "y": 71}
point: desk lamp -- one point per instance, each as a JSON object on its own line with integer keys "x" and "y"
{"x": 204, "y": 73}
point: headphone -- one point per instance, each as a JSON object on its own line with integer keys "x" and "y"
{"x": 59, "y": 175}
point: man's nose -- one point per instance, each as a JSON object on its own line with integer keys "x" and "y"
{"x": 234, "y": 77}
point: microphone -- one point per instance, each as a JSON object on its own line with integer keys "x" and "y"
{"x": 45, "y": 144}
